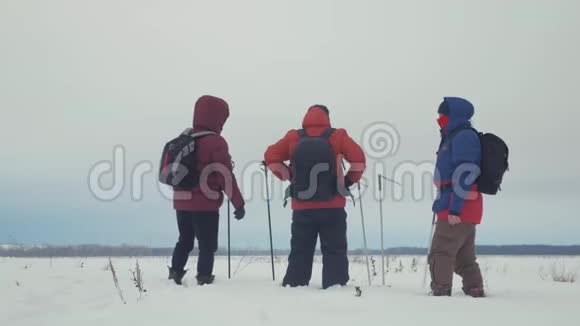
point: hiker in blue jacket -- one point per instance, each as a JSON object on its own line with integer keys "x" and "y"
{"x": 459, "y": 204}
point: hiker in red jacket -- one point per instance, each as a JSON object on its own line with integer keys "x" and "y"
{"x": 318, "y": 189}
{"x": 198, "y": 209}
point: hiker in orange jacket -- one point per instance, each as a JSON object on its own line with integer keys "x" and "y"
{"x": 318, "y": 209}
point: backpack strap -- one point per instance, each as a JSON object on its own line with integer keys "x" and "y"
{"x": 348, "y": 193}
{"x": 287, "y": 195}
{"x": 457, "y": 131}
{"x": 460, "y": 129}
{"x": 187, "y": 131}
{"x": 327, "y": 133}
{"x": 202, "y": 133}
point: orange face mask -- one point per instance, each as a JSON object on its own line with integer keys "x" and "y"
{"x": 443, "y": 120}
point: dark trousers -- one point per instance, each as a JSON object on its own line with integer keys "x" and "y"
{"x": 453, "y": 250}
{"x": 203, "y": 226}
{"x": 307, "y": 225}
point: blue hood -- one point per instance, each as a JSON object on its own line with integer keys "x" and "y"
{"x": 459, "y": 110}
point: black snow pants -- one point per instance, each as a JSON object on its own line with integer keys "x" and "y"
{"x": 307, "y": 225}
{"x": 203, "y": 226}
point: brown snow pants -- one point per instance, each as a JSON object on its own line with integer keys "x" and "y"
{"x": 453, "y": 250}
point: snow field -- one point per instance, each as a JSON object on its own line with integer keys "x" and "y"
{"x": 80, "y": 291}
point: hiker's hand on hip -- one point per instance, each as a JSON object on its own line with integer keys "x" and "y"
{"x": 454, "y": 219}
{"x": 347, "y": 182}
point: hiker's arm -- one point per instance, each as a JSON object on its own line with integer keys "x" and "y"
{"x": 355, "y": 156}
{"x": 226, "y": 178}
{"x": 466, "y": 158}
{"x": 277, "y": 154}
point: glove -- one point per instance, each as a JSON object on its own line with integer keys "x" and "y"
{"x": 239, "y": 213}
{"x": 347, "y": 182}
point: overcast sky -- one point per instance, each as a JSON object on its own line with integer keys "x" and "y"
{"x": 80, "y": 77}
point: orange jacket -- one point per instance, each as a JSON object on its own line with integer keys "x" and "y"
{"x": 315, "y": 122}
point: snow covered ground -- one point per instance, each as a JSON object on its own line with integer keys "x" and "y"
{"x": 76, "y": 291}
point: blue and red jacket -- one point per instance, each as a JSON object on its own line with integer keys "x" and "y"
{"x": 458, "y": 163}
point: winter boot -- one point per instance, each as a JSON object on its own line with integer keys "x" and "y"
{"x": 286, "y": 284}
{"x": 203, "y": 280}
{"x": 171, "y": 273}
{"x": 441, "y": 292}
{"x": 176, "y": 275}
{"x": 475, "y": 292}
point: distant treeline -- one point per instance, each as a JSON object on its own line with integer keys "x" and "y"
{"x": 137, "y": 251}
{"x": 511, "y": 250}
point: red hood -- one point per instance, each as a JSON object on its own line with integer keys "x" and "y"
{"x": 210, "y": 113}
{"x": 316, "y": 117}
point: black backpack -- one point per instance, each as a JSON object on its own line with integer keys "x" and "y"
{"x": 314, "y": 157}
{"x": 178, "y": 166}
{"x": 494, "y": 161}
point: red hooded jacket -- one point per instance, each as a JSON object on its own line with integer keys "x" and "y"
{"x": 315, "y": 122}
{"x": 210, "y": 114}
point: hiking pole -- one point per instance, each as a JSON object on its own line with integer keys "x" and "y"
{"x": 229, "y": 241}
{"x": 382, "y": 230}
{"x": 362, "y": 217}
{"x": 269, "y": 220}
{"x": 229, "y": 233}
{"x": 381, "y": 178}
{"x": 428, "y": 251}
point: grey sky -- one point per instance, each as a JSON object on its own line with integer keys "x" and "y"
{"x": 79, "y": 77}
